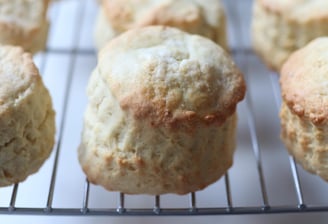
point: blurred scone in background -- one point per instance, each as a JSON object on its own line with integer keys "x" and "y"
{"x": 202, "y": 17}
{"x": 24, "y": 23}
{"x": 280, "y": 27}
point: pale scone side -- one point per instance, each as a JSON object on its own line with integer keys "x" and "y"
{"x": 307, "y": 142}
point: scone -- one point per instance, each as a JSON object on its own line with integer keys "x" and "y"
{"x": 27, "y": 125}
{"x": 203, "y": 17}
{"x": 161, "y": 115}
{"x": 24, "y": 23}
{"x": 282, "y": 26}
{"x": 304, "y": 112}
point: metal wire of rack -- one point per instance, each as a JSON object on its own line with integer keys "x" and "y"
{"x": 67, "y": 59}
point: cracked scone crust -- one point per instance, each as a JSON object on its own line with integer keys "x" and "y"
{"x": 27, "y": 126}
{"x": 24, "y": 23}
{"x": 161, "y": 116}
{"x": 282, "y": 26}
{"x": 304, "y": 112}
{"x": 202, "y": 17}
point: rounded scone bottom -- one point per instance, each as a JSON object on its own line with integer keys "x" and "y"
{"x": 144, "y": 170}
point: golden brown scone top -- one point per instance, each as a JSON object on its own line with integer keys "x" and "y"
{"x": 304, "y": 81}
{"x": 185, "y": 14}
{"x": 171, "y": 76}
{"x": 17, "y": 74}
{"x": 302, "y": 11}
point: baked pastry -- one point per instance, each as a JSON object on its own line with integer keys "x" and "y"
{"x": 161, "y": 115}
{"x": 24, "y": 23}
{"x": 203, "y": 17}
{"x": 282, "y": 26}
{"x": 304, "y": 111}
{"x": 27, "y": 125}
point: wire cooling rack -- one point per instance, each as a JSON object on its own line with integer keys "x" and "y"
{"x": 263, "y": 179}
